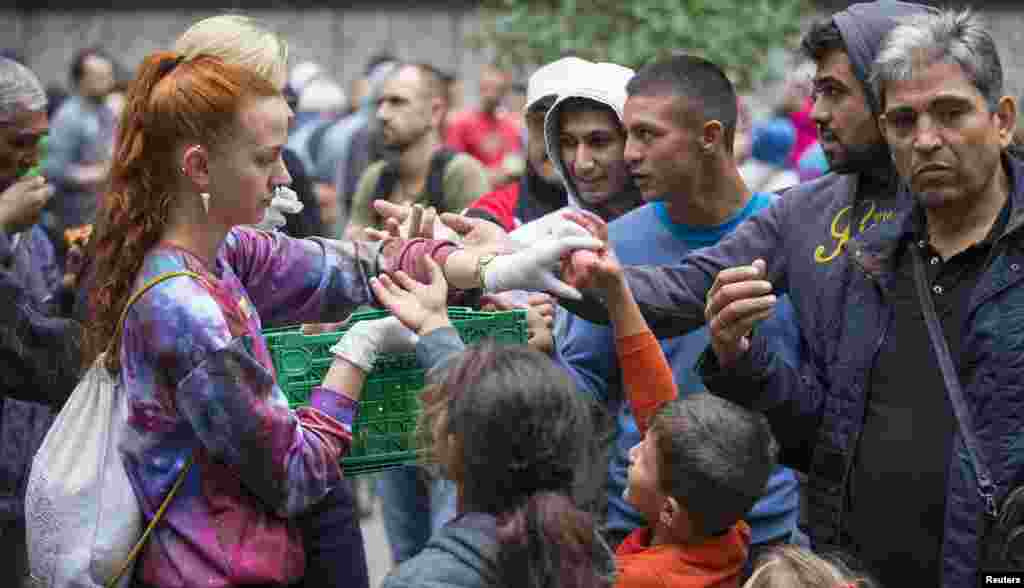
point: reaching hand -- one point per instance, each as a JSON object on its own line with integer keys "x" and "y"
{"x": 738, "y": 300}
{"x": 534, "y": 268}
{"x": 592, "y": 269}
{"x": 540, "y": 317}
{"x": 366, "y": 341}
{"x": 478, "y": 235}
{"x": 421, "y": 307}
{"x": 554, "y": 224}
{"x": 22, "y": 202}
{"x": 404, "y": 221}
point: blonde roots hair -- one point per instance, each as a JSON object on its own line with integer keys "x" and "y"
{"x": 238, "y": 40}
{"x": 787, "y": 566}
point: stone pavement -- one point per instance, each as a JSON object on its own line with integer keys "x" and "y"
{"x": 378, "y": 554}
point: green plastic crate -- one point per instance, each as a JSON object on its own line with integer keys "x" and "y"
{"x": 383, "y": 435}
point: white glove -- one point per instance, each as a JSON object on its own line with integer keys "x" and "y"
{"x": 285, "y": 201}
{"x": 365, "y": 341}
{"x": 535, "y": 268}
{"x": 550, "y": 226}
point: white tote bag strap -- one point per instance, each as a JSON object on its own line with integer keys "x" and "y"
{"x": 134, "y": 554}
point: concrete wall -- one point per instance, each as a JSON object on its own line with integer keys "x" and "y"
{"x": 341, "y": 39}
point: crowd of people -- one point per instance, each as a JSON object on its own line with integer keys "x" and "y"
{"x": 772, "y": 353}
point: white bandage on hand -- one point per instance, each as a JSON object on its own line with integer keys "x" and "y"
{"x": 366, "y": 341}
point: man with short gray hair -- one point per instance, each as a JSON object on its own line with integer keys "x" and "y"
{"x": 917, "y": 507}
{"x": 39, "y": 358}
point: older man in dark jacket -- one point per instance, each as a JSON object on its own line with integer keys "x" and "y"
{"x": 39, "y": 361}
{"x": 872, "y": 413}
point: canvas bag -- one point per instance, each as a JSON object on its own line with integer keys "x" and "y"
{"x": 83, "y": 522}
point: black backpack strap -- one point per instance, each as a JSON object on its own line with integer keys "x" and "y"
{"x": 387, "y": 180}
{"x": 435, "y": 181}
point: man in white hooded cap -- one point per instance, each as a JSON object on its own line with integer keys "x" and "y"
{"x": 540, "y": 191}
{"x": 586, "y": 140}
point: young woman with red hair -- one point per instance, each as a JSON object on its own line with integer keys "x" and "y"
{"x": 197, "y": 159}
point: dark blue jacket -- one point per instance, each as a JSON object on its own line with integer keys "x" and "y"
{"x": 39, "y": 360}
{"x": 818, "y": 409}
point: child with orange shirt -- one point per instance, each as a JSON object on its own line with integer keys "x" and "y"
{"x": 700, "y": 467}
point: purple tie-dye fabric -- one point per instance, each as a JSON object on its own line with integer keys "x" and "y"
{"x": 199, "y": 380}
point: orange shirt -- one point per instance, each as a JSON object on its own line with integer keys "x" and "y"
{"x": 716, "y": 563}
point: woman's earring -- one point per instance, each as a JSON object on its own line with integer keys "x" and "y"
{"x": 206, "y": 201}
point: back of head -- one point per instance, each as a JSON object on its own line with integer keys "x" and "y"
{"x": 376, "y": 60}
{"x": 772, "y": 141}
{"x": 700, "y": 85}
{"x": 508, "y": 424}
{"x": 790, "y": 566}
{"x": 78, "y": 61}
{"x": 714, "y": 457}
{"x": 324, "y": 96}
{"x": 859, "y": 31}
{"x": 238, "y": 40}
{"x": 173, "y": 102}
{"x": 951, "y": 37}
{"x": 20, "y": 90}
{"x": 303, "y": 74}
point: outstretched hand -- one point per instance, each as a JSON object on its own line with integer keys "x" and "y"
{"x": 478, "y": 235}
{"x": 598, "y": 268}
{"x": 739, "y": 299}
{"x": 540, "y": 317}
{"x": 536, "y": 268}
{"x": 421, "y": 307}
{"x": 554, "y": 224}
{"x": 406, "y": 221}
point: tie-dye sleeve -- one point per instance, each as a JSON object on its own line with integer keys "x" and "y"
{"x": 318, "y": 280}
{"x": 288, "y": 459}
{"x": 189, "y": 363}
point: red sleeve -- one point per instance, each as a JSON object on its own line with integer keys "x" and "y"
{"x": 500, "y": 204}
{"x": 646, "y": 376}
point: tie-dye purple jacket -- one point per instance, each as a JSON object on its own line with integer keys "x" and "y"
{"x": 200, "y": 382}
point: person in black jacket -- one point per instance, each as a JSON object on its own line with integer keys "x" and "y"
{"x": 39, "y": 353}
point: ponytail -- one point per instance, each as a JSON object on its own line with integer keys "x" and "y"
{"x": 170, "y": 102}
{"x": 549, "y": 543}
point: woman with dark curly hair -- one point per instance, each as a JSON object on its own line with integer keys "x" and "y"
{"x": 523, "y": 448}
